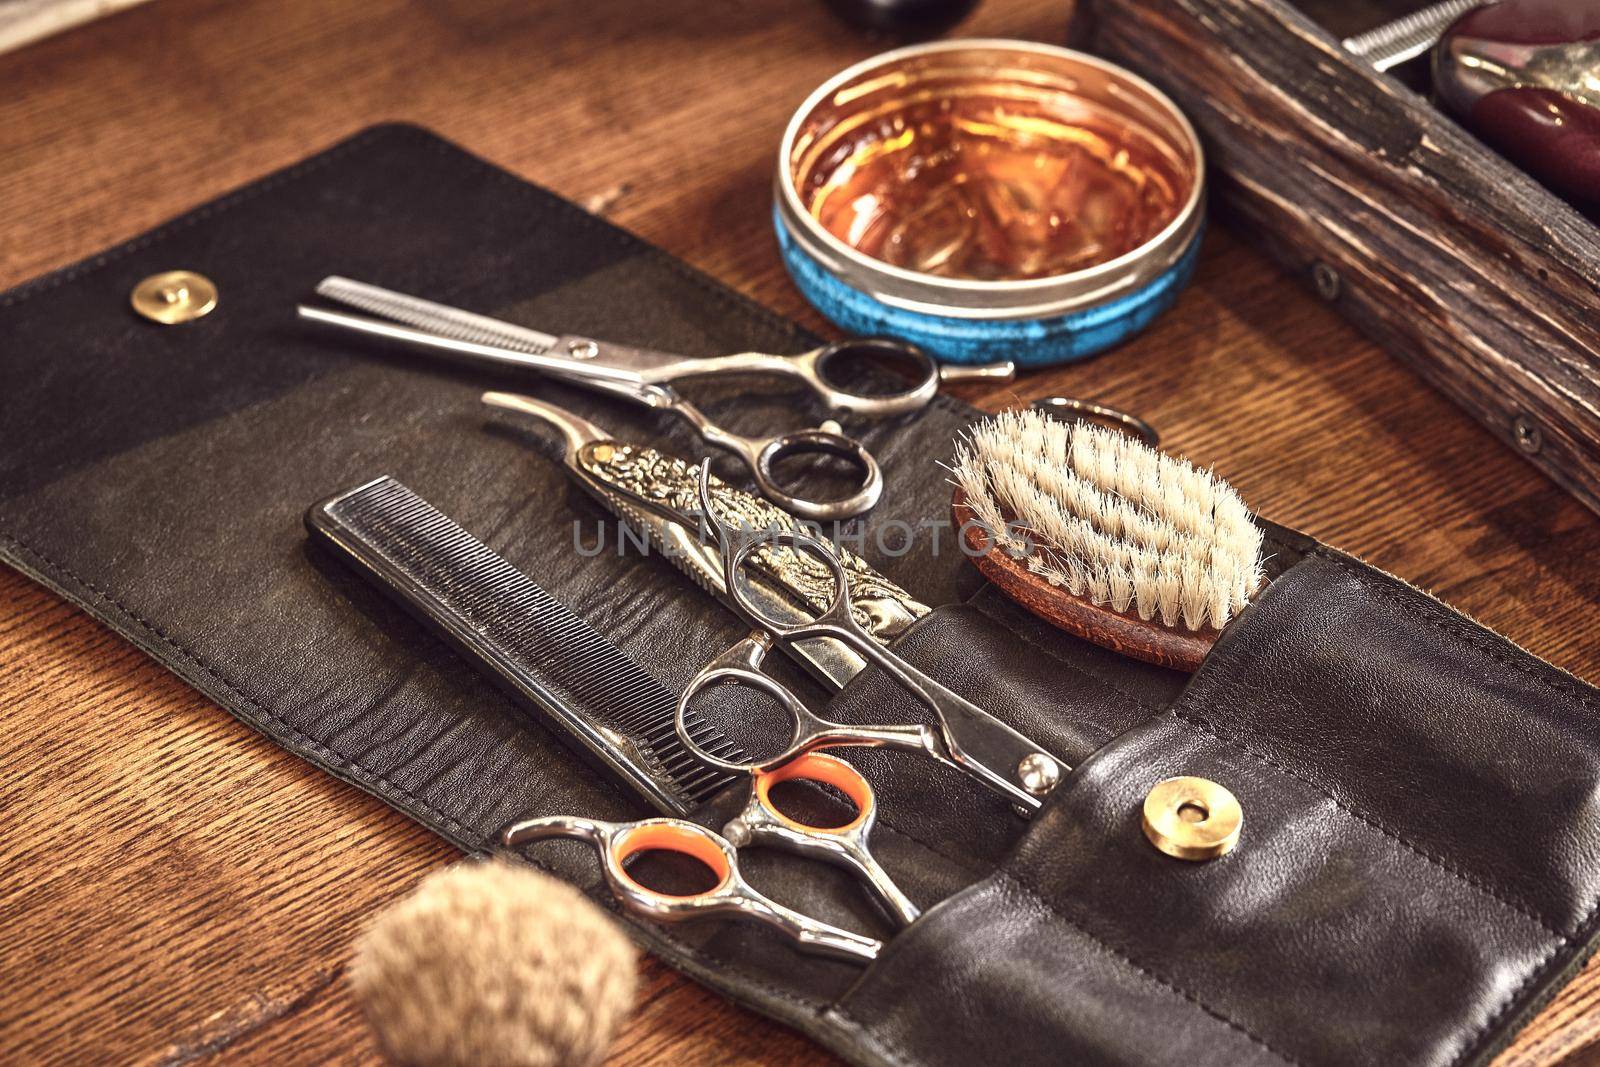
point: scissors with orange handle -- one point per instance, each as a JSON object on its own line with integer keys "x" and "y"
{"x": 760, "y": 822}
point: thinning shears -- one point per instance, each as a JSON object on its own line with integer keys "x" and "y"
{"x": 963, "y": 736}
{"x": 761, "y": 822}
{"x": 645, "y": 377}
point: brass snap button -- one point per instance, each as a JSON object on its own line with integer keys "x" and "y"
{"x": 174, "y": 296}
{"x": 1192, "y": 818}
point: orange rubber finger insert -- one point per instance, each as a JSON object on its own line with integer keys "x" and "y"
{"x": 671, "y": 837}
{"x": 818, "y": 767}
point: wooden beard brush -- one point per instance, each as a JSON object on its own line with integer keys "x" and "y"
{"x": 1105, "y": 537}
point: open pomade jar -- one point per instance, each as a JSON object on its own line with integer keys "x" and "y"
{"x": 990, "y": 199}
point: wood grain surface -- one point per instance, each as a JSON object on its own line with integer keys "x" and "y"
{"x": 1455, "y": 261}
{"x": 175, "y": 889}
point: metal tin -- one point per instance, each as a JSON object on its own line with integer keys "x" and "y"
{"x": 1033, "y": 320}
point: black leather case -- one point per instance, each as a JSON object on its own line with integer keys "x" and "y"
{"x": 1418, "y": 865}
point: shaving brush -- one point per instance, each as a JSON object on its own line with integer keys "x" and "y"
{"x": 496, "y": 963}
{"x": 1105, "y": 537}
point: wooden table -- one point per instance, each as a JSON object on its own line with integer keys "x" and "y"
{"x": 175, "y": 888}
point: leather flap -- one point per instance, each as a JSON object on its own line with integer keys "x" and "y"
{"x": 157, "y": 477}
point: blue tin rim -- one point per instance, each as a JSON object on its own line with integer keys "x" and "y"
{"x": 1028, "y": 341}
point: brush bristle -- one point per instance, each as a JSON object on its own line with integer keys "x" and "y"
{"x": 1112, "y": 520}
{"x": 495, "y": 963}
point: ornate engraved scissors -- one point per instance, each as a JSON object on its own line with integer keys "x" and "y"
{"x": 655, "y": 494}
{"x": 965, "y": 737}
{"x": 645, "y": 377}
{"x": 760, "y": 822}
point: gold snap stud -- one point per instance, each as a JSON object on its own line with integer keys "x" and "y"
{"x": 1192, "y": 818}
{"x": 174, "y": 296}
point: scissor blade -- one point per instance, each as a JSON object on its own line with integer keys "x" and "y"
{"x": 473, "y": 351}
{"x": 992, "y": 751}
{"x": 440, "y": 319}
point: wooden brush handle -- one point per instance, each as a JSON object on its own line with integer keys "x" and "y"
{"x": 1126, "y": 635}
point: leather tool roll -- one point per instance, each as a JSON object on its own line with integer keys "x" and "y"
{"x": 1418, "y": 867}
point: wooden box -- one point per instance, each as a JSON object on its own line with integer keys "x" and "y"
{"x": 1450, "y": 257}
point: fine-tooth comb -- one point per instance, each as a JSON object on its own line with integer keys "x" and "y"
{"x": 597, "y": 698}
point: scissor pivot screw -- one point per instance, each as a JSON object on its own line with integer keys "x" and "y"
{"x": 582, "y": 349}
{"x": 1038, "y": 773}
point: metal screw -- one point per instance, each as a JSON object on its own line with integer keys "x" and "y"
{"x": 1526, "y": 434}
{"x": 1327, "y": 281}
{"x": 1038, "y": 773}
{"x": 582, "y": 349}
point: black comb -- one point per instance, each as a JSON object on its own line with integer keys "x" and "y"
{"x": 596, "y": 698}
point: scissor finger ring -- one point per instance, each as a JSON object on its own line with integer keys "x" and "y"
{"x": 818, "y": 442}
{"x": 732, "y": 895}
{"x": 845, "y": 845}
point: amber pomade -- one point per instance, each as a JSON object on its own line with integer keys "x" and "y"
{"x": 997, "y": 178}
{"x": 985, "y": 181}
